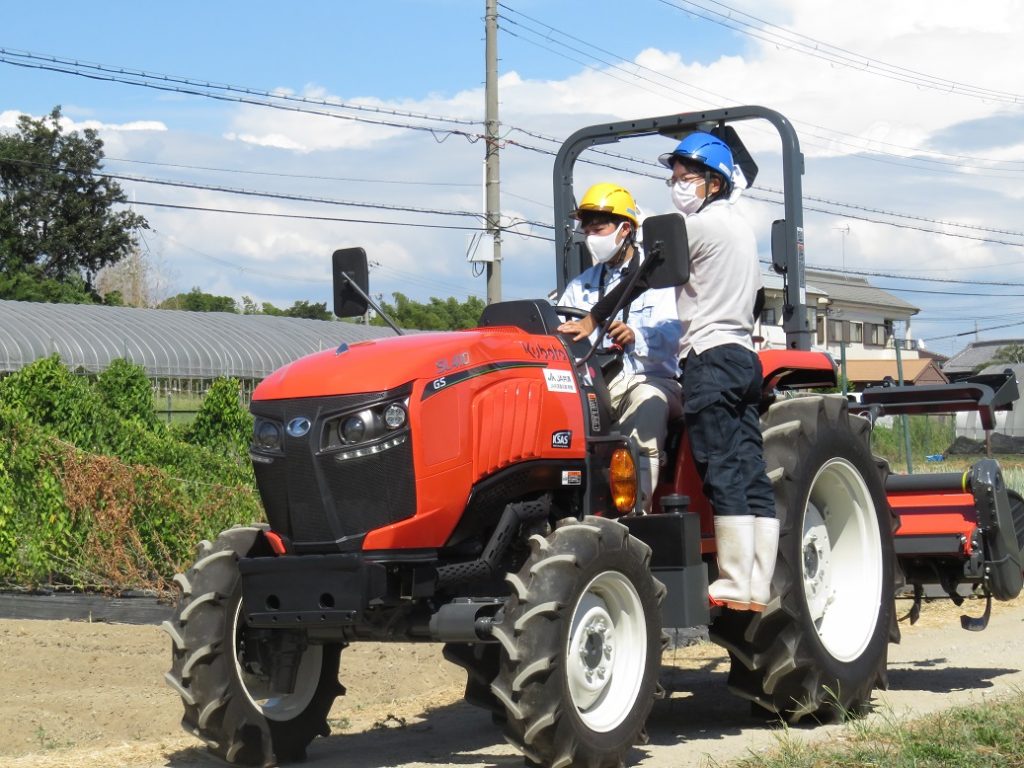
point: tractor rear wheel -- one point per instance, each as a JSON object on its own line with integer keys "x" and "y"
{"x": 821, "y": 645}
{"x": 228, "y": 700}
{"x": 581, "y": 645}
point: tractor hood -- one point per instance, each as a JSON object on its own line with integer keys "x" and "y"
{"x": 383, "y": 364}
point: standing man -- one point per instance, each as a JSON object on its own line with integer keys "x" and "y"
{"x": 645, "y": 393}
{"x": 722, "y": 375}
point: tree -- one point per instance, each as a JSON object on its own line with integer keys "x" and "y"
{"x": 197, "y": 301}
{"x": 438, "y": 315}
{"x": 57, "y": 215}
{"x": 1011, "y": 354}
{"x": 304, "y": 309}
{"x": 137, "y": 279}
{"x": 31, "y": 285}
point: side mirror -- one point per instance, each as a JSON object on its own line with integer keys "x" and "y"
{"x": 780, "y": 260}
{"x": 351, "y": 282}
{"x": 667, "y": 250}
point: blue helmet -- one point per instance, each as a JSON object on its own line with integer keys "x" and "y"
{"x": 703, "y": 149}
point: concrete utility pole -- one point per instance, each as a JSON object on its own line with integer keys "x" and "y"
{"x": 491, "y": 148}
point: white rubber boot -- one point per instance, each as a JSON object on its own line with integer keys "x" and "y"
{"x": 766, "y": 547}
{"x": 734, "y": 538}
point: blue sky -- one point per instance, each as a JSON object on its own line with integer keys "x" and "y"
{"x": 893, "y": 142}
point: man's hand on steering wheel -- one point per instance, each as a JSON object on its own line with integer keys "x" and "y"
{"x": 618, "y": 333}
{"x": 581, "y": 327}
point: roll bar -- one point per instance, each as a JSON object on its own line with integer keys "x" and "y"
{"x": 787, "y": 234}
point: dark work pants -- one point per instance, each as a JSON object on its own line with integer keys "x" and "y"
{"x": 721, "y": 392}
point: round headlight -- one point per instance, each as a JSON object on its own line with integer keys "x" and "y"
{"x": 353, "y": 429}
{"x": 267, "y": 435}
{"x": 394, "y": 416}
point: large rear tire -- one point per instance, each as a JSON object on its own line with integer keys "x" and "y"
{"x": 821, "y": 645}
{"x": 581, "y": 646}
{"x": 228, "y": 704}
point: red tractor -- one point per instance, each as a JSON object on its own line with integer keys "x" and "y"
{"x": 464, "y": 488}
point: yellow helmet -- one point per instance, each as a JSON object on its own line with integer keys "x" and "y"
{"x": 609, "y": 198}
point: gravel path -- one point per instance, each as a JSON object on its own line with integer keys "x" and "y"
{"x": 83, "y": 695}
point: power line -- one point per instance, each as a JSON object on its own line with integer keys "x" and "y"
{"x": 108, "y": 74}
{"x": 717, "y": 98}
{"x": 194, "y": 83}
{"x": 277, "y": 195}
{"x": 308, "y": 217}
{"x": 279, "y": 174}
{"x": 833, "y": 54}
{"x": 976, "y": 330}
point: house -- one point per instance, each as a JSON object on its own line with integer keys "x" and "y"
{"x": 857, "y": 322}
{"x": 974, "y": 357}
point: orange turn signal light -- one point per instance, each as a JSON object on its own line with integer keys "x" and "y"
{"x": 622, "y": 480}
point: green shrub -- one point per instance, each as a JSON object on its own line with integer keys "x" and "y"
{"x": 222, "y": 424}
{"x": 126, "y": 390}
{"x": 95, "y": 492}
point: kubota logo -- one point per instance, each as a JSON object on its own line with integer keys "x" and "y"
{"x": 298, "y": 426}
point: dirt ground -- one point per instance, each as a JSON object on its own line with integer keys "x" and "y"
{"x": 81, "y": 695}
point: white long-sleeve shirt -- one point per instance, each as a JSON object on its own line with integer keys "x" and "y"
{"x": 717, "y": 305}
{"x": 652, "y": 316}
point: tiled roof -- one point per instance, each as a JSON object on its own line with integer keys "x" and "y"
{"x": 852, "y": 289}
{"x": 975, "y": 354}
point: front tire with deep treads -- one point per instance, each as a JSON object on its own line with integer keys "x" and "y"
{"x": 821, "y": 645}
{"x": 229, "y": 703}
{"x": 580, "y": 645}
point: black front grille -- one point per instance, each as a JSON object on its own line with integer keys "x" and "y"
{"x": 315, "y": 498}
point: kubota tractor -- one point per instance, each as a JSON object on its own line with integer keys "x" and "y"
{"x": 464, "y": 488}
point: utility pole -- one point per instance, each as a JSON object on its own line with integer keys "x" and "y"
{"x": 493, "y": 199}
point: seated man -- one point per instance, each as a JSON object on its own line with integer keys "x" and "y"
{"x": 645, "y": 393}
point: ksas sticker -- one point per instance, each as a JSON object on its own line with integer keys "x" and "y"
{"x": 559, "y": 381}
{"x": 561, "y": 439}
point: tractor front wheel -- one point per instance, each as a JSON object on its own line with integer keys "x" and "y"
{"x": 228, "y": 699}
{"x": 581, "y": 646}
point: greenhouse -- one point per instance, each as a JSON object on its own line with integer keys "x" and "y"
{"x": 179, "y": 351}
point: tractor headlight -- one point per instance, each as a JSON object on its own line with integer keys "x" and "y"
{"x": 266, "y": 435}
{"x": 353, "y": 429}
{"x": 368, "y": 431}
{"x": 395, "y": 416}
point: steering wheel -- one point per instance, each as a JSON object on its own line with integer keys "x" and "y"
{"x": 609, "y": 355}
{"x": 574, "y": 312}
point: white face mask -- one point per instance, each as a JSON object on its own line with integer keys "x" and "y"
{"x": 603, "y": 247}
{"x": 684, "y": 196}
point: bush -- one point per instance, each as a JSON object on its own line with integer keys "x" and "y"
{"x": 928, "y": 435}
{"x": 95, "y": 492}
{"x": 125, "y": 389}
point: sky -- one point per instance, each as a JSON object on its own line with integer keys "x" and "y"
{"x": 910, "y": 116}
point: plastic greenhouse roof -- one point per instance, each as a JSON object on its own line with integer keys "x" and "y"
{"x": 167, "y": 343}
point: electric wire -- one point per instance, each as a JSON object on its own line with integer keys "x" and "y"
{"x": 245, "y": 90}
{"x": 240, "y": 98}
{"x": 858, "y": 143}
{"x": 834, "y": 54}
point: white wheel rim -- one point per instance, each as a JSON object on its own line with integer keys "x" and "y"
{"x": 272, "y": 705}
{"x": 606, "y": 652}
{"x": 841, "y": 560}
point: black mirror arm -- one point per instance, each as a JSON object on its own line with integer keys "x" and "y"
{"x": 376, "y": 307}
